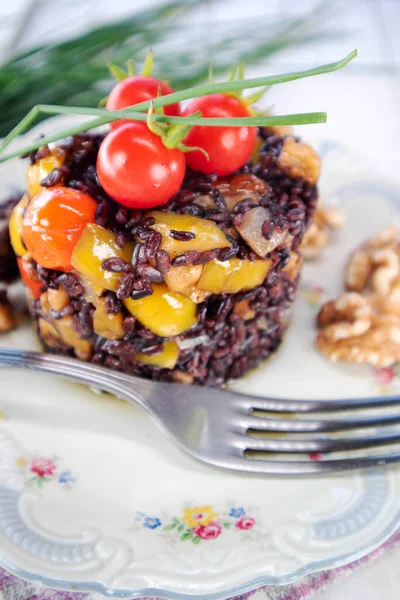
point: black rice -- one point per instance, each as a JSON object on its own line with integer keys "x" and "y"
{"x": 182, "y": 236}
{"x": 230, "y": 342}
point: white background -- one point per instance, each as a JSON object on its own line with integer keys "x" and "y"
{"x": 362, "y": 104}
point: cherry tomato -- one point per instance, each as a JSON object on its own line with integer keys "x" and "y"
{"x": 136, "y": 169}
{"x": 228, "y": 148}
{"x": 53, "y": 223}
{"x": 33, "y": 285}
{"x": 135, "y": 89}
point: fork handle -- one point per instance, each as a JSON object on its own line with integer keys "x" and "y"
{"x": 128, "y": 387}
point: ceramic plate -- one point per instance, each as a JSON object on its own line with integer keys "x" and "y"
{"x": 93, "y": 497}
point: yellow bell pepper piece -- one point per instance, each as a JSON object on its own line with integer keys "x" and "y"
{"x": 95, "y": 245}
{"x": 166, "y": 359}
{"x": 165, "y": 313}
{"x": 15, "y": 226}
{"x": 232, "y": 276}
{"x": 41, "y": 169}
{"x": 208, "y": 234}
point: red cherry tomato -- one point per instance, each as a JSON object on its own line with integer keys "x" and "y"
{"x": 135, "y": 89}
{"x": 33, "y": 285}
{"x": 53, "y": 223}
{"x": 136, "y": 169}
{"x": 228, "y": 148}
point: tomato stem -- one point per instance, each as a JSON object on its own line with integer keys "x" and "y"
{"x": 184, "y": 148}
{"x": 157, "y": 128}
{"x": 130, "y": 65}
{"x": 172, "y": 135}
{"x": 148, "y": 64}
{"x": 249, "y": 100}
{"x": 116, "y": 71}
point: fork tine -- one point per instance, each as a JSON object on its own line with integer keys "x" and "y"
{"x": 269, "y": 467}
{"x": 319, "y": 446}
{"x": 253, "y": 423}
{"x": 305, "y": 406}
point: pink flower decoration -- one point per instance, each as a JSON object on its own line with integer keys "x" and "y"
{"x": 315, "y": 456}
{"x": 385, "y": 375}
{"x": 42, "y": 466}
{"x": 245, "y": 523}
{"x": 208, "y": 532}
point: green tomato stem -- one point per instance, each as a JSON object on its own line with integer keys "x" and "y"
{"x": 148, "y": 64}
{"x": 130, "y": 65}
{"x": 158, "y": 129}
{"x": 116, "y": 71}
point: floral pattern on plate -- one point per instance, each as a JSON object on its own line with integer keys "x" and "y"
{"x": 41, "y": 470}
{"x": 199, "y": 523}
{"x": 387, "y": 379}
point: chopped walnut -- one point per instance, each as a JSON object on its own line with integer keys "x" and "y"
{"x": 281, "y": 130}
{"x": 317, "y": 235}
{"x": 182, "y": 377}
{"x": 234, "y": 189}
{"x": 7, "y": 319}
{"x": 58, "y": 299}
{"x": 375, "y": 266}
{"x": 58, "y": 332}
{"x": 354, "y": 329}
{"x": 314, "y": 241}
{"x": 197, "y": 296}
{"x": 293, "y": 267}
{"x": 299, "y": 159}
{"x": 243, "y": 310}
{"x": 240, "y": 187}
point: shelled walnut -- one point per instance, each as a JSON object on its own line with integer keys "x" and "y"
{"x": 363, "y": 325}
{"x": 353, "y": 329}
{"x": 317, "y": 236}
{"x": 375, "y": 265}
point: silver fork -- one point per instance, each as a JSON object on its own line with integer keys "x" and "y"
{"x": 227, "y": 429}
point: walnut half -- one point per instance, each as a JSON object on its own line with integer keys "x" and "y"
{"x": 353, "y": 329}
{"x": 375, "y": 266}
{"x": 317, "y": 235}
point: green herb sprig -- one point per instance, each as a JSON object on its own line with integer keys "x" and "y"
{"x": 138, "y": 111}
{"x": 73, "y": 72}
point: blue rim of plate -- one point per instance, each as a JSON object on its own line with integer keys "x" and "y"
{"x": 251, "y": 586}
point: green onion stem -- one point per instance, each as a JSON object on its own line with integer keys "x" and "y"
{"x": 258, "y": 121}
{"x": 202, "y": 90}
